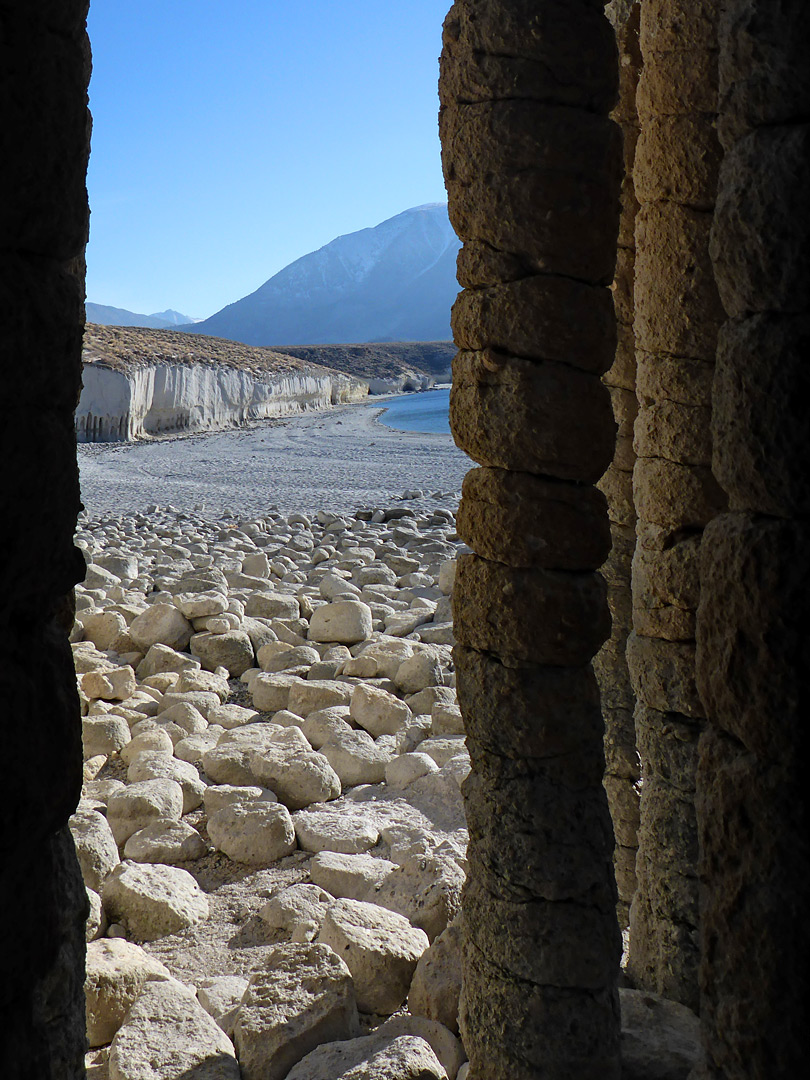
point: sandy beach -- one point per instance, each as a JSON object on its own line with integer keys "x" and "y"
{"x": 337, "y": 459}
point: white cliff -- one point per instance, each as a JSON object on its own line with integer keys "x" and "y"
{"x": 158, "y": 398}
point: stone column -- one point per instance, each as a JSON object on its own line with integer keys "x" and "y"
{"x": 752, "y": 637}
{"x": 532, "y": 164}
{"x": 44, "y": 141}
{"x": 677, "y": 315}
{"x": 610, "y": 664}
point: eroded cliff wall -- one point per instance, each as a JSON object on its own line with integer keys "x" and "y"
{"x": 156, "y": 399}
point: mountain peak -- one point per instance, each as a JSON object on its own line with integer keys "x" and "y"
{"x": 390, "y": 282}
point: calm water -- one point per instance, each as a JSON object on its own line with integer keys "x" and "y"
{"x": 427, "y": 411}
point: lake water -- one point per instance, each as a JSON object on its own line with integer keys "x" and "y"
{"x": 427, "y": 411}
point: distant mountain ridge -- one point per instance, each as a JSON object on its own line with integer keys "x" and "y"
{"x": 393, "y": 282}
{"x": 103, "y": 315}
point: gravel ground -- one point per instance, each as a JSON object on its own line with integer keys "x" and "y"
{"x": 336, "y": 460}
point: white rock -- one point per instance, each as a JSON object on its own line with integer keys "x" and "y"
{"x": 420, "y": 670}
{"x": 232, "y": 650}
{"x": 186, "y": 716}
{"x": 372, "y": 1057}
{"x": 152, "y": 740}
{"x": 165, "y": 842}
{"x": 210, "y": 682}
{"x": 442, "y": 1041}
{"x": 425, "y": 890}
{"x": 160, "y": 624}
{"x": 298, "y": 775}
{"x": 152, "y": 901}
{"x": 142, "y": 803}
{"x": 166, "y": 1035}
{"x": 447, "y": 719}
{"x": 322, "y": 830}
{"x": 256, "y": 565}
{"x": 443, "y": 749}
{"x": 351, "y": 877}
{"x": 161, "y": 659}
{"x": 218, "y": 796}
{"x": 377, "y": 711}
{"x": 436, "y": 985}
{"x": 272, "y": 605}
{"x": 356, "y": 758}
{"x": 388, "y": 653}
{"x": 344, "y": 621}
{"x": 200, "y": 605}
{"x": 220, "y": 997}
{"x": 103, "y": 628}
{"x": 154, "y": 766}
{"x": 95, "y": 845}
{"x": 96, "y": 922}
{"x": 447, "y": 576}
{"x": 116, "y": 971}
{"x": 231, "y": 716}
{"x": 313, "y": 695}
{"x": 272, "y": 692}
{"x": 406, "y": 768}
{"x": 305, "y": 997}
{"x": 194, "y": 747}
{"x": 297, "y": 905}
{"x": 379, "y": 947}
{"x": 297, "y": 658}
{"x": 256, "y": 833}
{"x": 321, "y": 725}
{"x": 229, "y": 761}
{"x": 105, "y": 734}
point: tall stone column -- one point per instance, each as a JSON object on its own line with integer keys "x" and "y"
{"x": 752, "y": 639}
{"x": 610, "y": 664}
{"x": 44, "y": 141}
{"x": 677, "y": 315}
{"x": 532, "y": 164}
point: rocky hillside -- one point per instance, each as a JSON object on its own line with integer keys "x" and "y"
{"x": 395, "y": 282}
{"x": 387, "y": 367}
{"x": 105, "y": 315}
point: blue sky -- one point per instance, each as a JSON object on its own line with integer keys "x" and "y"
{"x": 230, "y": 138}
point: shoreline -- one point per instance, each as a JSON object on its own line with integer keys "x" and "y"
{"x": 343, "y": 457}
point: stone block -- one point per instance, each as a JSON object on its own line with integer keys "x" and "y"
{"x": 752, "y": 640}
{"x": 668, "y": 744}
{"x": 676, "y": 496}
{"x": 529, "y": 616}
{"x": 674, "y": 273}
{"x": 539, "y": 181}
{"x": 680, "y": 433}
{"x": 524, "y": 520}
{"x": 677, "y": 160}
{"x": 679, "y": 379}
{"x": 552, "y": 54}
{"x": 759, "y": 241}
{"x": 542, "y": 318}
{"x": 531, "y": 711}
{"x": 663, "y": 674}
{"x": 521, "y": 416}
{"x": 762, "y": 375}
{"x": 678, "y": 83}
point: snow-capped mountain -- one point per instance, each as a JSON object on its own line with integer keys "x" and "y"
{"x": 104, "y": 315}
{"x": 394, "y": 282}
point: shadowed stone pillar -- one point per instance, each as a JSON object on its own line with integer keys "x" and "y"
{"x": 753, "y": 654}
{"x": 44, "y": 141}
{"x": 532, "y": 165}
{"x": 610, "y": 664}
{"x": 677, "y": 315}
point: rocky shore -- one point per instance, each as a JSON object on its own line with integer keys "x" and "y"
{"x": 271, "y": 829}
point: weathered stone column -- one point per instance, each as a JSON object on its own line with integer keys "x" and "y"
{"x": 677, "y": 315}
{"x": 44, "y": 140}
{"x": 752, "y": 635}
{"x": 532, "y": 164}
{"x": 610, "y": 664}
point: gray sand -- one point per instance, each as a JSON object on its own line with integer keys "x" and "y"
{"x": 336, "y": 460}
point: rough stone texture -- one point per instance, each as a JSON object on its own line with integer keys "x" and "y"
{"x": 610, "y": 664}
{"x": 660, "y": 1038}
{"x": 305, "y": 997}
{"x": 677, "y": 317}
{"x": 533, "y": 182}
{"x": 167, "y": 1034}
{"x": 373, "y": 1057}
{"x": 117, "y": 971}
{"x": 45, "y": 65}
{"x": 751, "y": 640}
